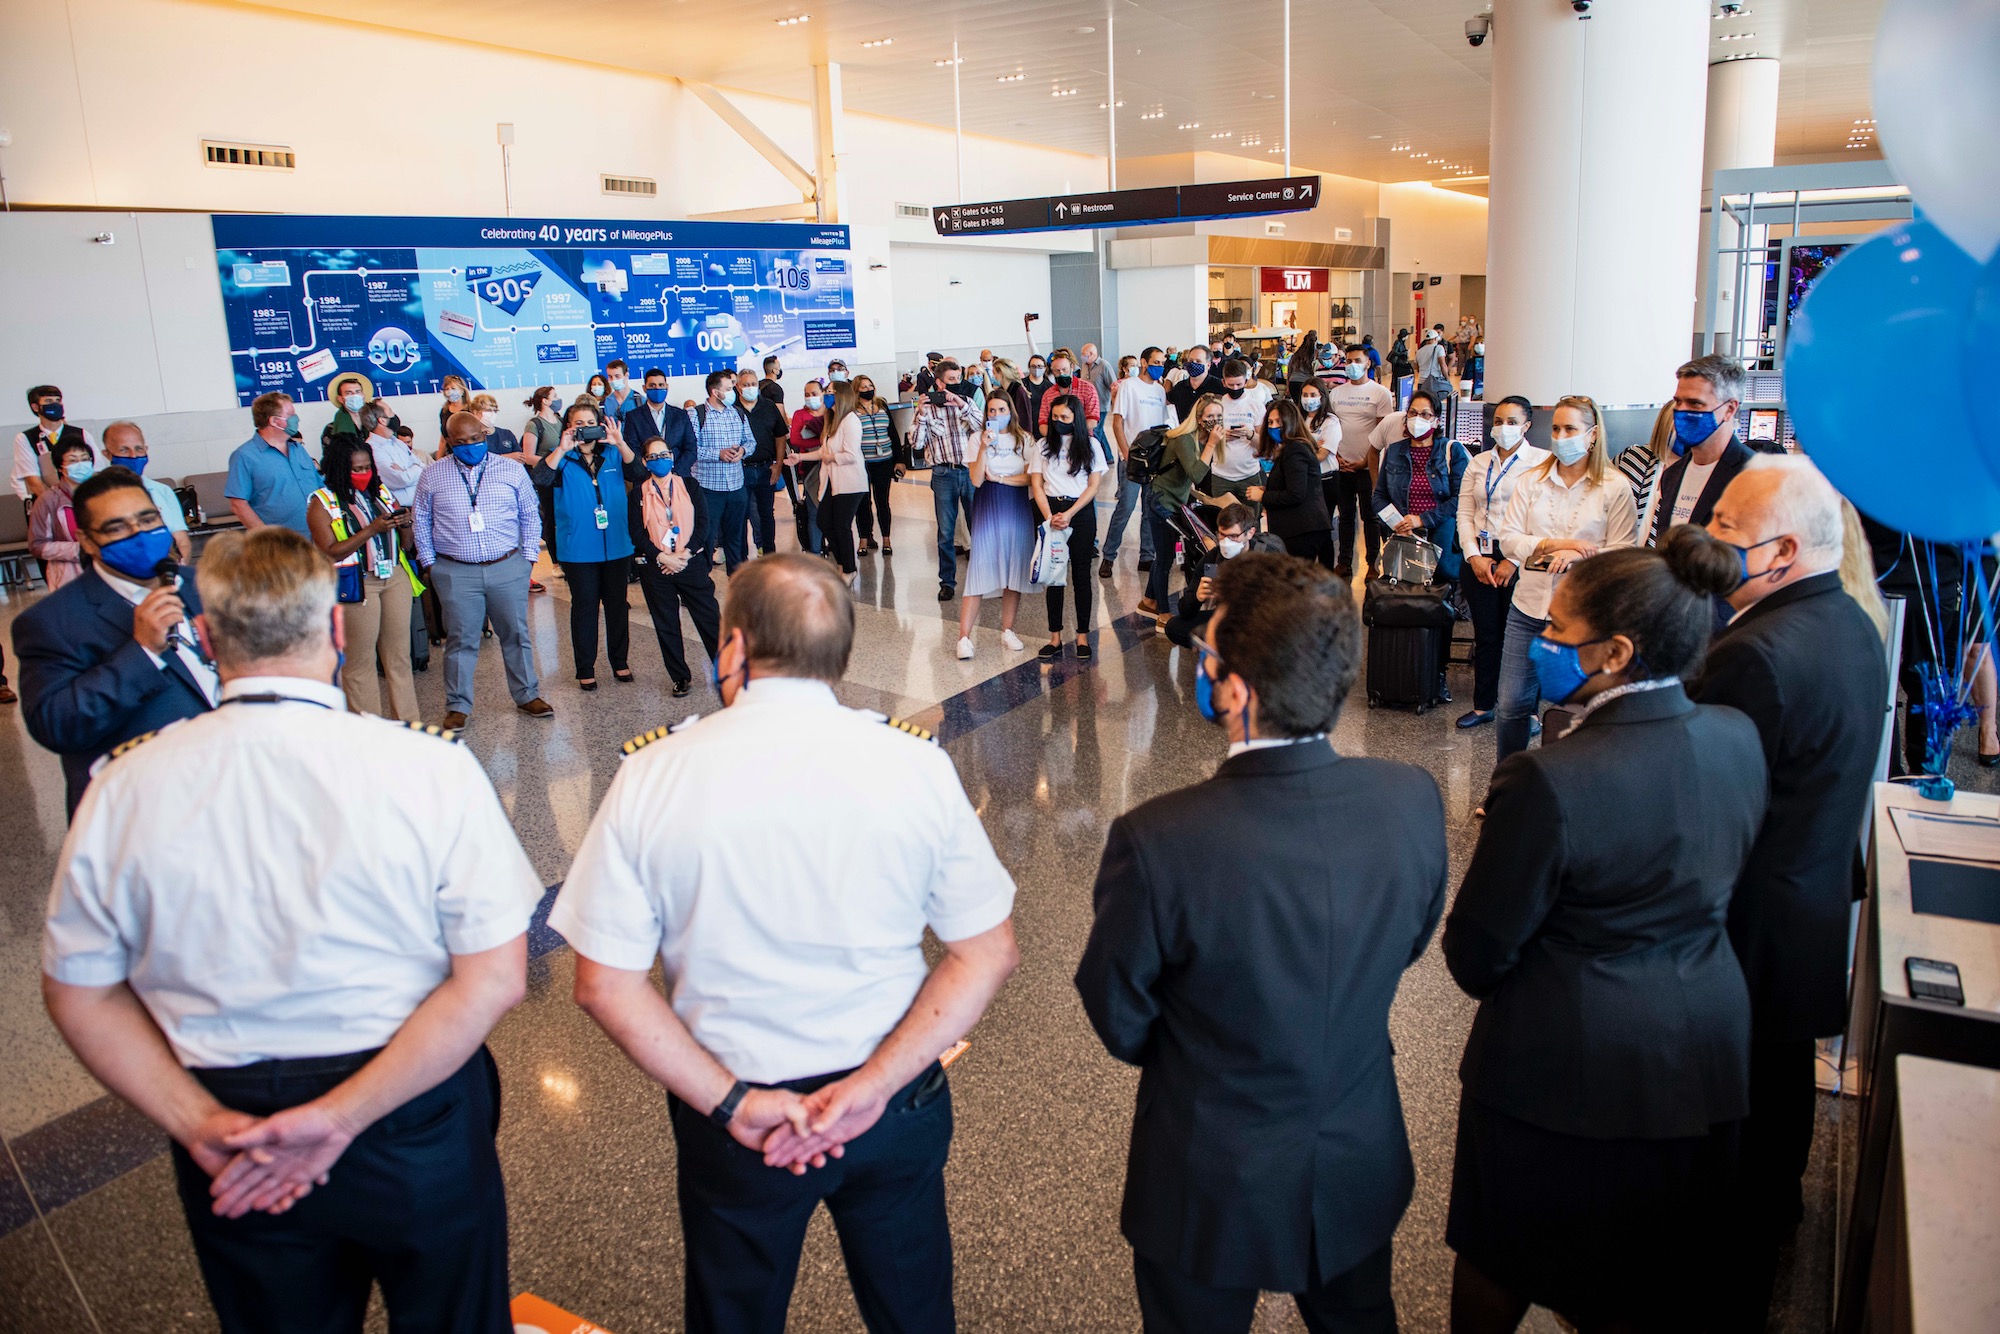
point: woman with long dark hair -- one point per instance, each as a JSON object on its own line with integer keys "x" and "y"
{"x": 587, "y": 480}
{"x": 1316, "y": 406}
{"x": 882, "y": 454}
{"x": 1063, "y": 473}
{"x": 1293, "y": 497}
{"x": 1420, "y": 476}
{"x": 357, "y": 524}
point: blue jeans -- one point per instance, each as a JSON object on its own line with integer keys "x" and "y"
{"x": 1520, "y": 691}
{"x": 724, "y": 525}
{"x": 1130, "y": 493}
{"x": 951, "y": 490}
{"x": 761, "y": 509}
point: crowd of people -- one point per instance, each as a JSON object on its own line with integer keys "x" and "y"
{"x": 1637, "y": 1089}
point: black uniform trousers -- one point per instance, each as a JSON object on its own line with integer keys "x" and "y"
{"x": 1083, "y": 539}
{"x": 1356, "y": 1302}
{"x": 744, "y": 1223}
{"x": 1776, "y": 1143}
{"x": 594, "y": 584}
{"x": 416, "y": 1204}
{"x": 1489, "y": 607}
{"x": 1354, "y": 503}
{"x": 666, "y": 594}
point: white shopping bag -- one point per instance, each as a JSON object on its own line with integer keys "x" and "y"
{"x": 1051, "y": 564}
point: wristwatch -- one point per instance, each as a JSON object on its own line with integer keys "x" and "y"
{"x": 725, "y": 1111}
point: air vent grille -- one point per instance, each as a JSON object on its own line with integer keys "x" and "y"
{"x": 256, "y": 157}
{"x": 630, "y": 185}
{"x": 913, "y": 211}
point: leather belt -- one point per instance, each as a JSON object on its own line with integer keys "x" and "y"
{"x": 508, "y": 555}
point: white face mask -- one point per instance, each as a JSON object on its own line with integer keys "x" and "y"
{"x": 1356, "y": 371}
{"x": 1419, "y": 427}
{"x": 1231, "y": 548}
{"x": 1309, "y": 405}
{"x": 1509, "y": 434}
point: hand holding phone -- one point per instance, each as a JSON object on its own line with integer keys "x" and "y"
{"x": 936, "y": 398}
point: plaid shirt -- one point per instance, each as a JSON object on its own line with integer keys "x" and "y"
{"x": 945, "y": 434}
{"x": 509, "y": 509}
{"x": 726, "y": 428}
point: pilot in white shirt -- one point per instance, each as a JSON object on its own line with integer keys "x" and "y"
{"x": 283, "y": 932}
{"x": 800, "y": 1016}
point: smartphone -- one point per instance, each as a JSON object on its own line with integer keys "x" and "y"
{"x": 1934, "y": 980}
{"x": 590, "y": 433}
{"x": 1538, "y": 562}
{"x": 936, "y": 396}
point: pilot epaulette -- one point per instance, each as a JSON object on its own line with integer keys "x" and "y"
{"x": 643, "y": 740}
{"x": 920, "y": 733}
{"x": 432, "y": 729}
{"x": 133, "y": 743}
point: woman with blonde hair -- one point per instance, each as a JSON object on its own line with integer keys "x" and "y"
{"x": 1641, "y": 466}
{"x": 1566, "y": 509}
{"x": 1189, "y": 452}
{"x": 843, "y": 476}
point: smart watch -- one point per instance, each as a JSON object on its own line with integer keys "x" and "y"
{"x": 725, "y": 1111}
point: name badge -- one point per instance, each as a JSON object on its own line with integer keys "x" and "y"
{"x": 603, "y": 519}
{"x": 476, "y": 522}
{"x": 384, "y": 568}
{"x": 674, "y": 537}
{"x": 1488, "y": 545}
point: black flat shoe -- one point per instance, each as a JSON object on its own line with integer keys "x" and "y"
{"x": 625, "y": 676}
{"x": 1082, "y": 649}
{"x": 1988, "y": 761}
{"x": 946, "y": 592}
{"x": 1049, "y": 652}
{"x": 681, "y": 688}
{"x": 586, "y": 685}
{"x": 1475, "y": 718}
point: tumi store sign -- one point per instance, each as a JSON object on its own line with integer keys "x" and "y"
{"x": 1292, "y": 280}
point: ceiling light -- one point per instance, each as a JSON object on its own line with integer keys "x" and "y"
{"x": 944, "y": 64}
{"x": 1010, "y": 78}
{"x": 1085, "y": 29}
{"x": 1736, "y": 37}
{"x": 1102, "y": 107}
{"x": 794, "y": 20}
{"x": 1221, "y": 134}
{"x": 1150, "y": 115}
{"x": 1062, "y": 92}
{"x": 879, "y": 41}
{"x": 1190, "y": 125}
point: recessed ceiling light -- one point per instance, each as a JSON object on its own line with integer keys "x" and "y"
{"x": 1190, "y": 125}
{"x": 1374, "y": 136}
{"x": 794, "y": 20}
{"x": 1015, "y": 77}
{"x": 1062, "y": 92}
{"x": 879, "y": 41}
{"x": 1152, "y": 115}
{"x": 1085, "y": 29}
{"x": 1221, "y": 134}
{"x": 941, "y": 64}
{"x": 1102, "y": 107}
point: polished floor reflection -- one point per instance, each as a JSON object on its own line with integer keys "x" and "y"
{"x": 90, "y": 1236}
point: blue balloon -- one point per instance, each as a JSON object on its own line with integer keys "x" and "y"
{"x": 1981, "y": 347}
{"x": 1901, "y": 299}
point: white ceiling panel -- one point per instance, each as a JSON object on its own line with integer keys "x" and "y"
{"x": 1367, "y": 75}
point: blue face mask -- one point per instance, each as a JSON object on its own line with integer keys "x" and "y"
{"x": 1274, "y": 433}
{"x": 292, "y": 424}
{"x": 1156, "y": 372}
{"x": 51, "y": 411}
{"x": 1558, "y": 669}
{"x": 1691, "y": 428}
{"x": 136, "y": 464}
{"x": 1197, "y": 369}
{"x": 470, "y": 455}
{"x": 1569, "y": 449}
{"x": 138, "y": 556}
{"x": 656, "y": 395}
{"x": 1775, "y": 573}
{"x": 80, "y": 471}
{"x": 728, "y": 397}
{"x": 660, "y": 467}
{"x": 826, "y": 401}
{"x": 352, "y": 402}
{"x": 1204, "y": 686}
{"x": 555, "y": 406}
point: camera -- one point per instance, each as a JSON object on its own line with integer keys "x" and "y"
{"x": 1477, "y": 28}
{"x": 1580, "y": 6}
{"x": 590, "y": 434}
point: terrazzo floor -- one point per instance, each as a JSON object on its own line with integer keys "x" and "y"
{"x": 90, "y": 1233}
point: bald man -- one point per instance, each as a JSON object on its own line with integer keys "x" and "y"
{"x": 125, "y": 447}
{"x": 1804, "y": 662}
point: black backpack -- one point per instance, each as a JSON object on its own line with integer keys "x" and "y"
{"x": 1147, "y": 455}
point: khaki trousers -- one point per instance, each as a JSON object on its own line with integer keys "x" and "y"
{"x": 380, "y": 627}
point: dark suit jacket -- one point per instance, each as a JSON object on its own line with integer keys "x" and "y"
{"x": 1293, "y": 496}
{"x": 1250, "y": 934}
{"x": 1733, "y": 458}
{"x": 678, "y": 432}
{"x": 87, "y": 685}
{"x": 1809, "y": 669}
{"x": 1590, "y": 925}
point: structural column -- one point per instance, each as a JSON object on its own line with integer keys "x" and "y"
{"x": 1742, "y": 132}
{"x": 829, "y": 142}
{"x": 1595, "y": 197}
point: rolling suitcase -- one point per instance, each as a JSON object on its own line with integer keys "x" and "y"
{"x": 1409, "y": 629}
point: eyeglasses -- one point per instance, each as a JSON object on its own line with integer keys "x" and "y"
{"x": 118, "y": 529}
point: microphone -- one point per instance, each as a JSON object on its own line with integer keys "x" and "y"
{"x": 166, "y": 573}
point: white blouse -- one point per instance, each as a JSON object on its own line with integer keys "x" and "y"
{"x": 1543, "y": 507}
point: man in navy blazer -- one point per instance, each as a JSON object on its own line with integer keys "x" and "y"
{"x": 112, "y": 655}
{"x": 644, "y": 420}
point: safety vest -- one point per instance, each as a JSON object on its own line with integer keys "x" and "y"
{"x": 337, "y": 516}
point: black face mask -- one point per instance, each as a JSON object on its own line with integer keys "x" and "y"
{"x": 1063, "y": 381}
{"x": 1236, "y": 392}
{"x": 962, "y": 389}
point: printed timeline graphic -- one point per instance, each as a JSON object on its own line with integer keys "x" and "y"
{"x": 407, "y": 301}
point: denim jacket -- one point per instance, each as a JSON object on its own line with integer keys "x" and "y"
{"x": 1447, "y": 470}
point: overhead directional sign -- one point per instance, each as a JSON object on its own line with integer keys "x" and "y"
{"x": 1130, "y": 208}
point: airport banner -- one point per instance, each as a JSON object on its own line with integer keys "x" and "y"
{"x": 511, "y": 303}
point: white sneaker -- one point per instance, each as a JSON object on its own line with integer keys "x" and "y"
{"x": 964, "y": 649}
{"x": 854, "y": 582}
{"x": 1012, "y": 641}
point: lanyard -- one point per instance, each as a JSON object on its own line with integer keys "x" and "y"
{"x": 273, "y": 698}
{"x": 472, "y": 487}
{"x": 1493, "y": 479}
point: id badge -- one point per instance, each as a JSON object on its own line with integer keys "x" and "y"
{"x": 384, "y": 568}
{"x": 1488, "y": 546}
{"x": 475, "y": 522}
{"x": 603, "y": 519}
{"x": 674, "y": 538}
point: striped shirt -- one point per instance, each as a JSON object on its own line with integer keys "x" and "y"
{"x": 725, "y": 428}
{"x": 875, "y": 442}
{"x": 944, "y": 435}
{"x": 510, "y": 513}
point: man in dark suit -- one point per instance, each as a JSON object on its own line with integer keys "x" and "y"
{"x": 650, "y": 417}
{"x": 1708, "y": 395}
{"x": 1247, "y": 945}
{"x": 1805, "y": 663}
{"x": 113, "y": 654}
